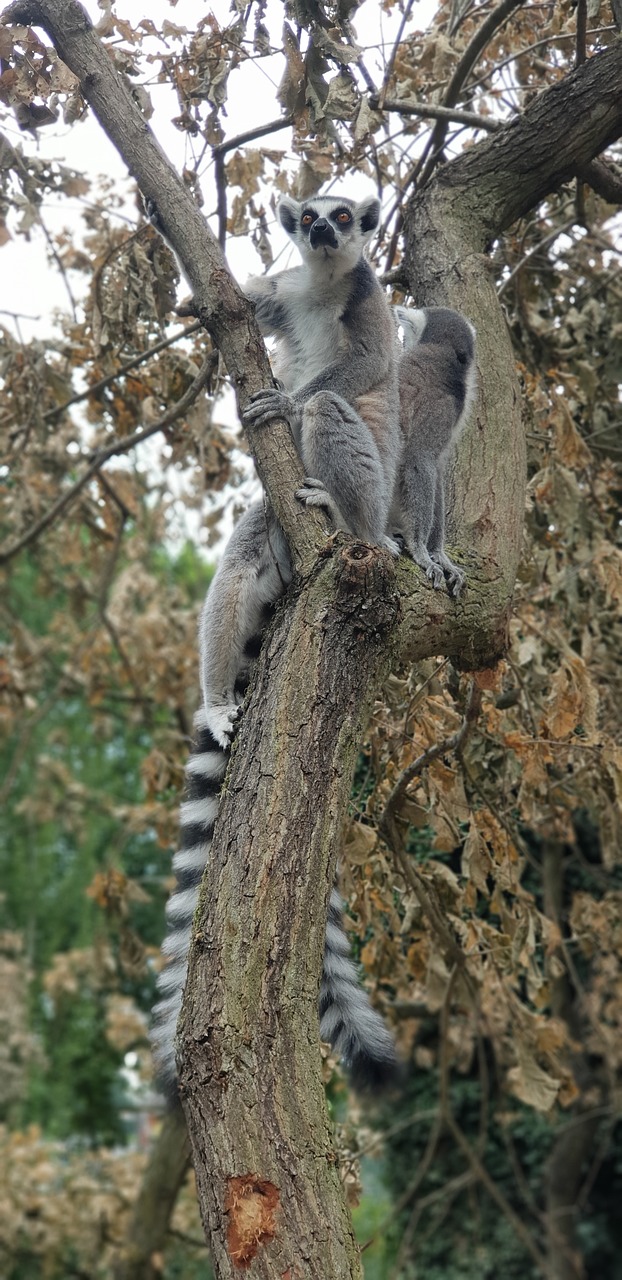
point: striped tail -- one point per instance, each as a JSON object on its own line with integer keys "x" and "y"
{"x": 205, "y": 773}
{"x": 347, "y": 1020}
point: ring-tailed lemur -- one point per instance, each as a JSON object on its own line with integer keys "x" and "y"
{"x": 337, "y": 360}
{"x": 437, "y": 382}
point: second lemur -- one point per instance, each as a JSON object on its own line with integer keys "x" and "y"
{"x": 337, "y": 359}
{"x": 437, "y": 385}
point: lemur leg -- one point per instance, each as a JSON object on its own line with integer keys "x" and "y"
{"x": 454, "y": 576}
{"x": 417, "y": 506}
{"x": 340, "y": 455}
{"x": 253, "y": 573}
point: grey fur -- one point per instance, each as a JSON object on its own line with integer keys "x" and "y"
{"x": 437, "y": 381}
{"x": 336, "y": 357}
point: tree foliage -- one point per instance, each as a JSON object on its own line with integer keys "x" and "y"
{"x": 481, "y": 860}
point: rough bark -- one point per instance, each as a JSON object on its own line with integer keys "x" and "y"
{"x": 249, "y": 1074}
{"x": 169, "y": 1162}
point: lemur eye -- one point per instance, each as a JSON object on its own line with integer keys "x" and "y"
{"x": 307, "y": 219}
{"x": 343, "y": 218}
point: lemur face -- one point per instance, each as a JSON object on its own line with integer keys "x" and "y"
{"x": 329, "y": 226}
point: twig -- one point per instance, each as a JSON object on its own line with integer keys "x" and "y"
{"x": 497, "y": 1195}
{"x": 391, "y": 63}
{"x": 482, "y": 37}
{"x": 92, "y": 390}
{"x": 453, "y": 743}
{"x": 528, "y": 48}
{"x": 221, "y": 197}
{"x": 219, "y": 152}
{"x": 230, "y": 144}
{"x": 101, "y": 455}
{"x": 532, "y": 253}
{"x": 423, "y": 109}
{"x": 581, "y": 49}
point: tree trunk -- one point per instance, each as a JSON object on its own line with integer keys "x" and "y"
{"x": 250, "y": 1069}
{"x": 169, "y": 1162}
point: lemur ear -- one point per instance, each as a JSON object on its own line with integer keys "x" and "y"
{"x": 288, "y": 211}
{"x": 369, "y": 213}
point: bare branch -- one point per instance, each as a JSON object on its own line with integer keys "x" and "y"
{"x": 102, "y": 383}
{"x": 230, "y": 144}
{"x": 453, "y": 743}
{"x": 116, "y": 446}
{"x": 424, "y": 109}
{"x": 391, "y": 63}
{"x": 533, "y": 253}
{"x": 482, "y": 37}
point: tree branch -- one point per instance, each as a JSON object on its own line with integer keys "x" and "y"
{"x": 219, "y": 303}
{"x": 116, "y": 446}
{"x": 102, "y": 383}
{"x": 449, "y": 114}
{"x": 604, "y": 179}
{"x": 482, "y": 37}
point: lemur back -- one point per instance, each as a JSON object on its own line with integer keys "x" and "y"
{"x": 337, "y": 360}
{"x": 437, "y": 385}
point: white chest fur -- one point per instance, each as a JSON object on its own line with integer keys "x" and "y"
{"x": 314, "y": 302}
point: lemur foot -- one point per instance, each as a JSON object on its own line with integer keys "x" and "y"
{"x": 268, "y": 404}
{"x": 314, "y": 494}
{"x": 391, "y": 544}
{"x": 433, "y": 571}
{"x": 454, "y": 576}
{"x": 222, "y": 723}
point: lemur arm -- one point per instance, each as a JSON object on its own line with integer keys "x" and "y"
{"x": 270, "y": 313}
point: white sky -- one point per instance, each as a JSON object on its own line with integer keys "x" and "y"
{"x": 85, "y": 147}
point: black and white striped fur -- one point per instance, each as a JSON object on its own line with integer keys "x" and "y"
{"x": 347, "y": 1019}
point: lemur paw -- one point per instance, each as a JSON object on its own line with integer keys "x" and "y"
{"x": 391, "y": 544}
{"x": 454, "y": 576}
{"x": 436, "y": 576}
{"x": 266, "y": 405}
{"x": 314, "y": 494}
{"x": 222, "y": 723}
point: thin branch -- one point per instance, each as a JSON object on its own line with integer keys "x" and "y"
{"x": 482, "y": 37}
{"x": 454, "y": 742}
{"x": 581, "y": 47}
{"x": 497, "y": 1195}
{"x": 116, "y": 446}
{"x": 92, "y": 390}
{"x": 284, "y": 122}
{"x": 391, "y": 63}
{"x": 220, "y": 179}
{"x": 532, "y": 253}
{"x": 424, "y": 109}
{"x": 529, "y": 48}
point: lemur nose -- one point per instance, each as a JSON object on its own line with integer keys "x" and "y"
{"x": 320, "y": 224}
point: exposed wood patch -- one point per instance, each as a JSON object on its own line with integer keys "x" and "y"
{"x": 251, "y": 1204}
